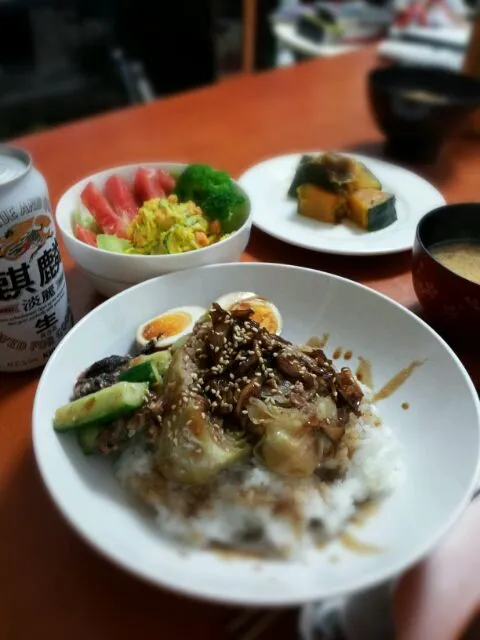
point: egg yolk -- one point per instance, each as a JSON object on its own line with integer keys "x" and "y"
{"x": 262, "y": 313}
{"x": 166, "y": 326}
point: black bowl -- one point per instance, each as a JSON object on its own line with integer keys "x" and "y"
{"x": 416, "y": 125}
{"x": 450, "y": 302}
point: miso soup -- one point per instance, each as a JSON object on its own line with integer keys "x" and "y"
{"x": 419, "y": 95}
{"x": 463, "y": 258}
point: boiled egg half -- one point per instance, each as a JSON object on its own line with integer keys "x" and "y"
{"x": 264, "y": 312}
{"x": 168, "y": 327}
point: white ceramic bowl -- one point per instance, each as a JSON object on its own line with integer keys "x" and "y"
{"x": 113, "y": 272}
{"x": 439, "y": 436}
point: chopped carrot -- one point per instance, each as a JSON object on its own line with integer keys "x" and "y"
{"x": 201, "y": 238}
{"x": 215, "y": 227}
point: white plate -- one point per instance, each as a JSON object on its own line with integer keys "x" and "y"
{"x": 267, "y": 184}
{"x": 439, "y": 435}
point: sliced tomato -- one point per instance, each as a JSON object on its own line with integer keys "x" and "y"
{"x": 147, "y": 185}
{"x": 104, "y": 215}
{"x": 120, "y": 196}
{"x": 167, "y": 181}
{"x": 86, "y": 235}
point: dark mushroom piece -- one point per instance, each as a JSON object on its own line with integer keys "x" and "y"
{"x": 244, "y": 313}
{"x": 349, "y": 389}
{"x": 99, "y": 375}
{"x": 106, "y": 365}
{"x": 246, "y": 366}
{"x": 86, "y": 386}
{"x": 250, "y": 390}
{"x": 149, "y": 348}
{"x": 289, "y": 366}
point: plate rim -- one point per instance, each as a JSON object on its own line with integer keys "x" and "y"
{"x": 327, "y": 250}
{"x": 217, "y": 594}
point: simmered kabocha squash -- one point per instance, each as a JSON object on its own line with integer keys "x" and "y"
{"x": 311, "y": 170}
{"x": 347, "y": 175}
{"x": 333, "y": 172}
{"x": 331, "y": 186}
{"x": 372, "y": 209}
{"x": 320, "y": 204}
{"x": 363, "y": 178}
{"x": 300, "y": 175}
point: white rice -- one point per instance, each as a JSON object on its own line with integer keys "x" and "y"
{"x": 249, "y": 498}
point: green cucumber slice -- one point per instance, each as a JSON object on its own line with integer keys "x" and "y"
{"x": 101, "y": 407}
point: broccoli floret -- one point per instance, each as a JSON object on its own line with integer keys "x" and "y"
{"x": 213, "y": 191}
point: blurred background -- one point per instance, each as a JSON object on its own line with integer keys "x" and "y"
{"x": 61, "y": 60}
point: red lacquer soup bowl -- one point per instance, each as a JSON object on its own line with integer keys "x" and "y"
{"x": 451, "y": 302}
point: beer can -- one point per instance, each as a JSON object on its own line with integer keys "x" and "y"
{"x": 34, "y": 308}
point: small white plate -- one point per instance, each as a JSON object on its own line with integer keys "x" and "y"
{"x": 439, "y": 436}
{"x": 275, "y": 213}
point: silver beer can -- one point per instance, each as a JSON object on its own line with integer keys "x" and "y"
{"x": 34, "y": 308}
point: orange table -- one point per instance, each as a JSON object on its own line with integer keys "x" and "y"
{"x": 52, "y": 584}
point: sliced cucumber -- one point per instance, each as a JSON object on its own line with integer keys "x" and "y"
{"x": 143, "y": 372}
{"x": 196, "y": 222}
{"x": 87, "y": 439}
{"x": 84, "y": 218}
{"x": 112, "y": 243}
{"x": 161, "y": 359}
{"x": 169, "y": 243}
{"x": 101, "y": 407}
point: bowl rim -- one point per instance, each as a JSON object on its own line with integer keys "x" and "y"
{"x": 135, "y": 165}
{"x": 375, "y": 81}
{"x": 427, "y": 249}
